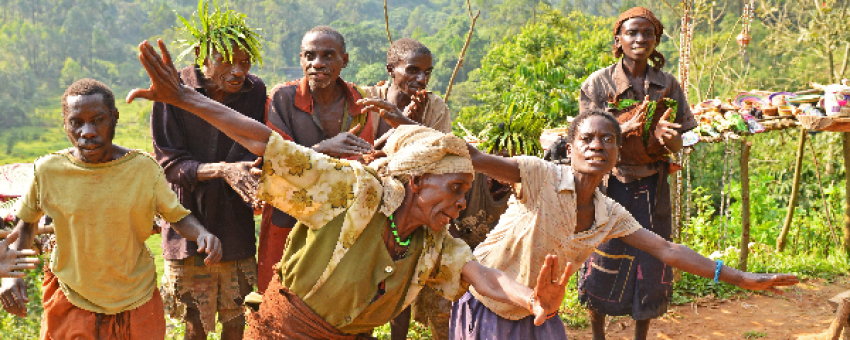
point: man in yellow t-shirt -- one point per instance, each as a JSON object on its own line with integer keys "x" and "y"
{"x": 101, "y": 279}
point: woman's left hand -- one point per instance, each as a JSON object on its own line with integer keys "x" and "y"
{"x": 768, "y": 282}
{"x": 549, "y": 291}
{"x": 666, "y": 130}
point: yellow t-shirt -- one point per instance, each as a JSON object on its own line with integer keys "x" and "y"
{"x": 102, "y": 215}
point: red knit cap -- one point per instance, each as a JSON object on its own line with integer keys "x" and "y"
{"x": 640, "y": 12}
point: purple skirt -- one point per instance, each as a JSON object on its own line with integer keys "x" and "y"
{"x": 472, "y": 320}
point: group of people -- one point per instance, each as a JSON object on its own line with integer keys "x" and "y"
{"x": 370, "y": 206}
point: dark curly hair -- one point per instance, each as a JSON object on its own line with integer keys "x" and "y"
{"x": 404, "y": 47}
{"x": 557, "y": 152}
{"x": 88, "y": 86}
{"x": 329, "y": 31}
{"x": 571, "y": 132}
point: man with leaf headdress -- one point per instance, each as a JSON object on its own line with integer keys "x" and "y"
{"x": 201, "y": 164}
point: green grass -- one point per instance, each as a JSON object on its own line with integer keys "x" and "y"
{"x": 755, "y": 335}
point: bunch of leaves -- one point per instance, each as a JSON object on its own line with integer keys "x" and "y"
{"x": 218, "y": 31}
{"x": 650, "y": 113}
{"x": 517, "y": 131}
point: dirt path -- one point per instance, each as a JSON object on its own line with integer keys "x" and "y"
{"x": 802, "y": 313}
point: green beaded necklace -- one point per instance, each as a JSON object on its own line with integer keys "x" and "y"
{"x": 395, "y": 233}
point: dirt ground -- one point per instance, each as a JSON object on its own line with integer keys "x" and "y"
{"x": 803, "y": 313}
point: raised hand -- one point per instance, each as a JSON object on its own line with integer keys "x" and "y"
{"x": 549, "y": 291}
{"x": 345, "y": 144}
{"x": 416, "y": 109}
{"x": 636, "y": 122}
{"x": 165, "y": 80}
{"x": 388, "y": 111}
{"x": 666, "y": 130}
{"x": 13, "y": 261}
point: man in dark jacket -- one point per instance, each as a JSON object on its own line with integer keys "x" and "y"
{"x": 200, "y": 162}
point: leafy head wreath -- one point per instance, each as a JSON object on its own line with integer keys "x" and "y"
{"x": 219, "y": 30}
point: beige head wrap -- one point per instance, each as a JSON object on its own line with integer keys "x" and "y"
{"x": 413, "y": 150}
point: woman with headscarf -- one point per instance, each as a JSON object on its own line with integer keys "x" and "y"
{"x": 619, "y": 279}
{"x": 368, "y": 237}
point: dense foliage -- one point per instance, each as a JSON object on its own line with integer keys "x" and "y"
{"x": 541, "y": 68}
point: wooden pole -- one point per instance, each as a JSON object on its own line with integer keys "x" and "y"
{"x": 745, "y": 204}
{"x": 462, "y": 51}
{"x": 846, "y": 140}
{"x": 840, "y": 322}
{"x": 675, "y": 206}
{"x": 795, "y": 191}
{"x": 387, "y": 22}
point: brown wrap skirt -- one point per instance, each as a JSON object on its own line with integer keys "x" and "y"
{"x": 283, "y": 315}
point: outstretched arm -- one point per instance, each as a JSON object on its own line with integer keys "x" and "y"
{"x": 684, "y": 258}
{"x": 502, "y": 169}
{"x": 544, "y": 300}
{"x": 165, "y": 87}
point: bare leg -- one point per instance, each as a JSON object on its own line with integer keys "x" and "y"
{"x": 641, "y": 329}
{"x": 233, "y": 329}
{"x": 194, "y": 327}
{"x": 400, "y": 325}
{"x": 597, "y": 324}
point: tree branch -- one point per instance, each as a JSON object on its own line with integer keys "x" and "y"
{"x": 387, "y": 21}
{"x": 463, "y": 51}
{"x": 844, "y": 63}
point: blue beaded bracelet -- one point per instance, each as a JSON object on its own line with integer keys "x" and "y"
{"x": 717, "y": 271}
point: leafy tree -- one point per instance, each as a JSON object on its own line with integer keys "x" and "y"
{"x": 542, "y": 68}
{"x": 814, "y": 37}
{"x": 70, "y": 73}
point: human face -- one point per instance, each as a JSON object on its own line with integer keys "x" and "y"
{"x": 227, "y": 76}
{"x": 441, "y": 197}
{"x": 637, "y": 38}
{"x": 90, "y": 126}
{"x": 322, "y": 59}
{"x": 594, "y": 150}
{"x": 412, "y": 73}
